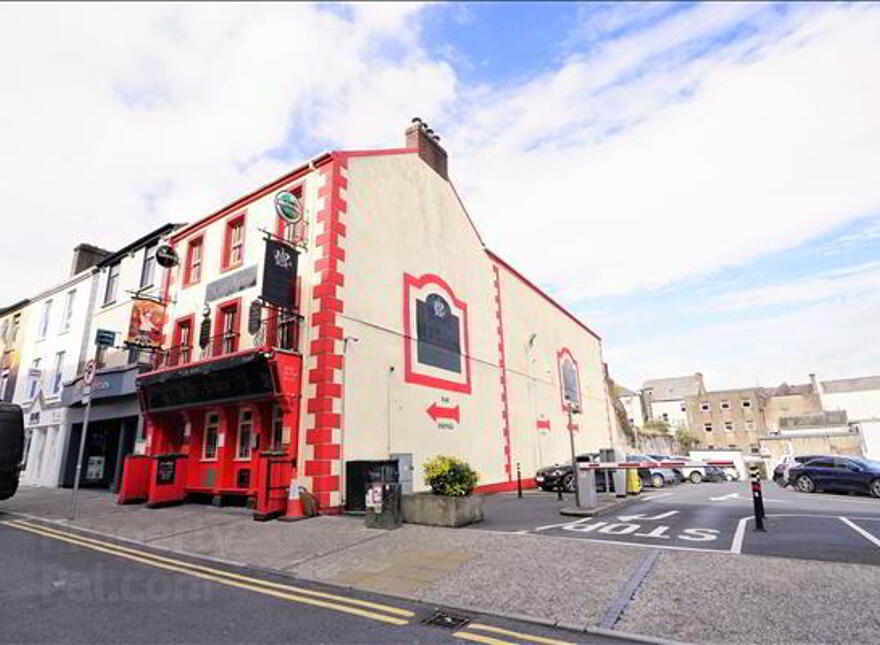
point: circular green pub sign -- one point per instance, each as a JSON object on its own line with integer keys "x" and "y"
{"x": 288, "y": 206}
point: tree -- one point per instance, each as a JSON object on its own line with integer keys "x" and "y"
{"x": 685, "y": 439}
{"x": 657, "y": 426}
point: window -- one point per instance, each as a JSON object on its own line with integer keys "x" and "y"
{"x": 245, "y": 431}
{"x": 44, "y": 319}
{"x": 728, "y": 426}
{"x": 112, "y": 283}
{"x": 34, "y": 378}
{"x": 5, "y": 331}
{"x": 16, "y": 321}
{"x": 725, "y": 405}
{"x": 707, "y": 427}
{"x": 233, "y": 243}
{"x": 56, "y": 379}
{"x": 229, "y": 326}
{"x": 755, "y": 449}
{"x": 100, "y": 356}
{"x": 209, "y": 439}
{"x": 746, "y": 403}
{"x": 277, "y": 429}
{"x": 684, "y": 408}
{"x": 183, "y": 340}
{"x": 193, "y": 271}
{"x": 705, "y": 407}
{"x": 750, "y": 426}
{"x": 4, "y": 382}
{"x": 68, "y": 310}
{"x": 664, "y": 416}
{"x": 149, "y": 267}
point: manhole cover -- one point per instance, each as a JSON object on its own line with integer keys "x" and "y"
{"x": 447, "y": 620}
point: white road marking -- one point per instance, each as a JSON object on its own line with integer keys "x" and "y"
{"x": 556, "y": 526}
{"x": 858, "y": 529}
{"x": 645, "y": 518}
{"x": 699, "y": 535}
{"x": 657, "y": 532}
{"x": 654, "y": 496}
{"x": 737, "y": 496}
{"x": 723, "y": 497}
{"x": 736, "y": 546}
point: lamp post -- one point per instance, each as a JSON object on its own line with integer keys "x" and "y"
{"x": 572, "y": 410}
{"x": 342, "y": 434}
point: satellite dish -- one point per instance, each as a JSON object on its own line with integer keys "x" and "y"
{"x": 288, "y": 206}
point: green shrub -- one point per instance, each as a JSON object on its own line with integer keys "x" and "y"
{"x": 450, "y": 476}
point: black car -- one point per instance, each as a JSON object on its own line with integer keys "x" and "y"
{"x": 845, "y": 474}
{"x": 11, "y": 448}
{"x": 550, "y": 478}
{"x": 780, "y": 473}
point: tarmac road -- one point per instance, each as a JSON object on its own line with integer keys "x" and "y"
{"x": 61, "y": 586}
{"x": 714, "y": 517}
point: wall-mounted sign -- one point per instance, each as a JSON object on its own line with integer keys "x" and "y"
{"x": 146, "y": 323}
{"x": 255, "y": 314}
{"x": 279, "y": 274}
{"x": 105, "y": 338}
{"x": 95, "y": 468}
{"x": 166, "y": 256}
{"x": 205, "y": 333}
{"x": 165, "y": 468}
{"x": 288, "y": 206}
{"x": 233, "y": 283}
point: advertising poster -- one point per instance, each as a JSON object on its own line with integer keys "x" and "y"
{"x": 147, "y": 320}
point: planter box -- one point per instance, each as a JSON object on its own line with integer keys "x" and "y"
{"x": 438, "y": 510}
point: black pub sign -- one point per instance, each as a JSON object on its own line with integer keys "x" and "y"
{"x": 279, "y": 274}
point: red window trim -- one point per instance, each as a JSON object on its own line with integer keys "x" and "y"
{"x": 193, "y": 241}
{"x": 240, "y": 217}
{"x": 175, "y": 338}
{"x": 220, "y": 326}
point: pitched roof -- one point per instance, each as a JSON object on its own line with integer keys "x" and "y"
{"x": 858, "y": 384}
{"x": 788, "y": 390}
{"x": 674, "y": 388}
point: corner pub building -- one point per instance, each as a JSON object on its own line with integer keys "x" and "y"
{"x": 349, "y": 315}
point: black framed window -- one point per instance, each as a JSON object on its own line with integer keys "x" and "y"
{"x": 112, "y": 283}
{"x": 149, "y": 269}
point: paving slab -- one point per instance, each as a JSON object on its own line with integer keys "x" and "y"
{"x": 723, "y": 598}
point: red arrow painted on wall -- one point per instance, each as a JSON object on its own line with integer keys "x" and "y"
{"x": 543, "y": 424}
{"x": 439, "y": 412}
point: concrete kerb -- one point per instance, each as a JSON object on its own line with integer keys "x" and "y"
{"x": 618, "y": 503}
{"x": 466, "y": 610}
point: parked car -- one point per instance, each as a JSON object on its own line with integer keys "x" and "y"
{"x": 549, "y": 478}
{"x": 694, "y": 474}
{"x": 11, "y": 448}
{"x": 845, "y": 474}
{"x": 656, "y": 477}
{"x": 780, "y": 473}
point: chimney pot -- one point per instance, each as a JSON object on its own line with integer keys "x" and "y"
{"x": 421, "y": 138}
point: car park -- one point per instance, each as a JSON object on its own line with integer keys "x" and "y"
{"x": 842, "y": 474}
{"x": 654, "y": 475}
{"x": 694, "y": 474}
{"x": 780, "y": 473}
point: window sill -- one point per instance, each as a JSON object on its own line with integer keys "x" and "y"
{"x": 108, "y": 303}
{"x": 225, "y": 269}
{"x": 206, "y": 460}
{"x": 242, "y": 459}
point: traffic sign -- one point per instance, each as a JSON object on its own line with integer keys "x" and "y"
{"x": 89, "y": 372}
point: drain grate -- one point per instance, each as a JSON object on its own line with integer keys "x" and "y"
{"x": 447, "y": 620}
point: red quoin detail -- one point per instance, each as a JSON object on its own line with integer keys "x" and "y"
{"x": 543, "y": 424}
{"x": 502, "y": 376}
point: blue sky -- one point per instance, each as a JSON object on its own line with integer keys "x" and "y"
{"x": 697, "y": 181}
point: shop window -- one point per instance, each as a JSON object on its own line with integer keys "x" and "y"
{"x": 112, "y": 283}
{"x": 209, "y": 439}
{"x": 193, "y": 270}
{"x": 149, "y": 268}
{"x": 233, "y": 243}
{"x": 245, "y": 432}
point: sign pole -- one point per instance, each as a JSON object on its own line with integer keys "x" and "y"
{"x": 88, "y": 377}
{"x": 574, "y": 466}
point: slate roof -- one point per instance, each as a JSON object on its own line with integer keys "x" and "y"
{"x": 674, "y": 388}
{"x": 858, "y": 384}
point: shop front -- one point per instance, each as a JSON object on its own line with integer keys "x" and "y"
{"x": 222, "y": 429}
{"x": 113, "y": 428}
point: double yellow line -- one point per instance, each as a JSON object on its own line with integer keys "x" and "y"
{"x": 363, "y": 608}
{"x": 517, "y": 637}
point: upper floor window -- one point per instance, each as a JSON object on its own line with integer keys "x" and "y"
{"x": 725, "y": 405}
{"x": 16, "y": 321}
{"x": 229, "y": 326}
{"x": 183, "y": 340}
{"x": 233, "y": 243}
{"x": 68, "y": 310}
{"x": 44, "y": 319}
{"x": 705, "y": 407}
{"x": 112, "y": 283}
{"x": 5, "y": 332}
{"x": 59, "y": 369}
{"x": 34, "y": 378}
{"x": 149, "y": 268}
{"x": 746, "y": 403}
{"x": 728, "y": 426}
{"x": 193, "y": 270}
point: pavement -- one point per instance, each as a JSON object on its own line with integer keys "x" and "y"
{"x": 680, "y": 563}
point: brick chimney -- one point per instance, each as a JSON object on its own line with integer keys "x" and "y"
{"x": 420, "y": 137}
{"x": 816, "y": 385}
{"x": 86, "y": 256}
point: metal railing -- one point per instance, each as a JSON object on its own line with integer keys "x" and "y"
{"x": 282, "y": 332}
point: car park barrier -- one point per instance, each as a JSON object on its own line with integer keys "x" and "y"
{"x": 613, "y": 465}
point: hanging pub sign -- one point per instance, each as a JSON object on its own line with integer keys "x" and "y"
{"x": 288, "y": 206}
{"x": 105, "y": 338}
{"x": 255, "y": 314}
{"x": 279, "y": 274}
{"x": 166, "y": 256}
{"x": 146, "y": 323}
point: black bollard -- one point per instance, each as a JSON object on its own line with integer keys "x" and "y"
{"x": 518, "y": 481}
{"x": 757, "y": 498}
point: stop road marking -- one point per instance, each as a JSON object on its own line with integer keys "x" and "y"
{"x": 630, "y": 528}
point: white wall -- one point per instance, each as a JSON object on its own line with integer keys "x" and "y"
{"x": 676, "y": 417}
{"x": 633, "y": 406}
{"x": 858, "y": 405}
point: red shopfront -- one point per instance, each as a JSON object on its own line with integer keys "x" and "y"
{"x": 224, "y": 427}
